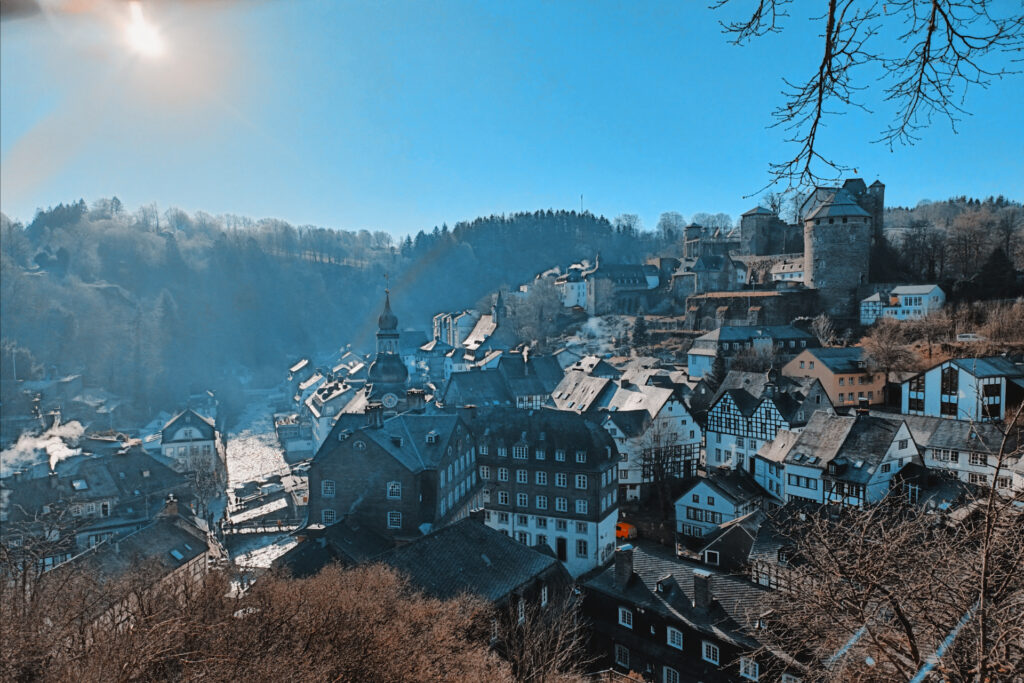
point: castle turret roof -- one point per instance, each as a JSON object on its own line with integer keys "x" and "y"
{"x": 838, "y": 205}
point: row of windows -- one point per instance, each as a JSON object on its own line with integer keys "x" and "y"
{"x": 803, "y": 482}
{"x": 541, "y": 502}
{"x": 698, "y": 515}
{"x": 749, "y": 668}
{"x": 522, "y": 452}
{"x": 539, "y": 522}
{"x": 524, "y": 537}
{"x": 394, "y": 518}
{"x": 467, "y": 460}
{"x": 860, "y": 395}
{"x": 541, "y": 477}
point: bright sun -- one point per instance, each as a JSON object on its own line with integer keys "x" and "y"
{"x": 142, "y": 37}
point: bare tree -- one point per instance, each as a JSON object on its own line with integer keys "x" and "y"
{"x": 886, "y": 350}
{"x": 942, "y": 49}
{"x": 548, "y": 644}
{"x": 664, "y": 460}
{"x": 894, "y": 591}
{"x": 824, "y": 330}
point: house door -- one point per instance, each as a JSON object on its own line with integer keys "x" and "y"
{"x": 562, "y": 549}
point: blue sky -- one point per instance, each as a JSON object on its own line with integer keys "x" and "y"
{"x": 402, "y": 115}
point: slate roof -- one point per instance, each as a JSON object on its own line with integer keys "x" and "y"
{"x": 476, "y": 387}
{"x": 560, "y": 429}
{"x": 345, "y": 542}
{"x": 580, "y": 392}
{"x": 638, "y": 397}
{"x": 845, "y": 439}
{"x": 414, "y": 453}
{"x": 632, "y": 423}
{"x": 843, "y": 361}
{"x": 529, "y": 374}
{"x": 469, "y": 557}
{"x": 758, "y": 211}
{"x": 841, "y": 203}
{"x": 124, "y": 478}
{"x": 732, "y": 616}
{"x": 166, "y": 541}
{"x": 735, "y": 485}
{"x": 915, "y": 289}
{"x": 187, "y": 414}
{"x": 596, "y": 366}
{"x": 942, "y": 432}
{"x": 776, "y": 449}
{"x": 747, "y": 390}
{"x": 733, "y": 333}
{"x": 992, "y": 366}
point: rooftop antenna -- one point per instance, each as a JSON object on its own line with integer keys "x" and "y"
{"x": 581, "y": 202}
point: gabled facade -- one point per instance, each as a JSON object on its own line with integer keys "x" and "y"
{"x": 784, "y": 340}
{"x": 401, "y": 477}
{"x": 847, "y": 459}
{"x": 750, "y": 408}
{"x": 721, "y": 497}
{"x": 189, "y": 441}
{"x": 844, "y": 374}
{"x": 973, "y": 389}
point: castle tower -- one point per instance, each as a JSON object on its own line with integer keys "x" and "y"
{"x": 837, "y": 252}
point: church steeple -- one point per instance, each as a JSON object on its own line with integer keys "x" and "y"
{"x": 387, "y": 367}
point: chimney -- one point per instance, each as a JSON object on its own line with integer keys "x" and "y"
{"x": 170, "y": 506}
{"x": 862, "y": 406}
{"x": 623, "y": 564}
{"x": 53, "y": 480}
{"x": 416, "y": 400}
{"x": 702, "y": 597}
{"x": 374, "y": 415}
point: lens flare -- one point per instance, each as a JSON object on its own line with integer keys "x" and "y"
{"x": 143, "y": 38}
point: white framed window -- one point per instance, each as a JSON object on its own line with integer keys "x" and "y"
{"x": 502, "y": 497}
{"x": 327, "y": 488}
{"x": 522, "y": 477}
{"x": 502, "y": 474}
{"x": 519, "y": 452}
{"x": 502, "y": 452}
{"x": 709, "y": 652}
{"x": 669, "y": 675}
{"x": 626, "y": 617}
{"x": 581, "y": 507}
{"x": 542, "y": 502}
{"x": 521, "y": 610}
{"x": 560, "y": 455}
{"x": 581, "y": 527}
{"x": 395, "y": 490}
{"x": 674, "y": 638}
{"x": 561, "y": 504}
{"x": 482, "y": 449}
{"x": 543, "y": 590}
{"x": 443, "y": 478}
{"x": 581, "y": 456}
{"x": 581, "y": 548}
{"x": 976, "y": 459}
{"x": 539, "y": 454}
{"x": 541, "y": 478}
{"x": 561, "y": 480}
{"x": 522, "y": 500}
{"x": 394, "y": 519}
{"x": 711, "y": 557}
{"x": 581, "y": 481}
{"x": 622, "y": 656}
{"x": 485, "y": 472}
{"x": 327, "y": 516}
{"x": 749, "y": 668}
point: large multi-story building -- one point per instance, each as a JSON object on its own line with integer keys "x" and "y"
{"x": 401, "y": 477}
{"x": 844, "y": 373}
{"x": 549, "y": 478}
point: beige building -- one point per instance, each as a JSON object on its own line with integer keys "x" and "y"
{"x": 842, "y": 372}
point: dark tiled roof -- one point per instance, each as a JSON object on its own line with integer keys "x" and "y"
{"x": 840, "y": 204}
{"x": 560, "y": 429}
{"x": 747, "y": 390}
{"x": 476, "y": 387}
{"x": 404, "y": 437}
{"x": 469, "y": 557}
{"x": 630, "y": 422}
{"x": 735, "y": 485}
{"x": 167, "y": 541}
{"x": 736, "y": 601}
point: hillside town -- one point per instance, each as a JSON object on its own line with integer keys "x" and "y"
{"x": 661, "y": 441}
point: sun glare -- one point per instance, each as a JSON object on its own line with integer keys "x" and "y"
{"x": 143, "y": 38}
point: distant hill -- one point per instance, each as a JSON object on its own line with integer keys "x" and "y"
{"x": 146, "y": 304}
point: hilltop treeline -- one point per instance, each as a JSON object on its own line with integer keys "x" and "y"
{"x": 969, "y": 246}
{"x": 148, "y": 304}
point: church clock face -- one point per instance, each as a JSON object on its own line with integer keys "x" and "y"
{"x": 389, "y": 400}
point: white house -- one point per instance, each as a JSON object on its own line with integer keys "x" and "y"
{"x": 788, "y": 271}
{"x": 720, "y": 497}
{"x": 189, "y": 440}
{"x": 751, "y": 407}
{"x": 572, "y": 288}
{"x": 906, "y": 302}
{"x": 973, "y": 389}
{"x": 652, "y": 428}
{"x": 967, "y": 449}
{"x": 847, "y": 459}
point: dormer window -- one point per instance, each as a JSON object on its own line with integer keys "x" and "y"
{"x": 431, "y": 437}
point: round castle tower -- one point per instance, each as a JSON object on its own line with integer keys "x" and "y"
{"x": 837, "y": 252}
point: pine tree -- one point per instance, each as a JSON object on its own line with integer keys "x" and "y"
{"x": 716, "y": 375}
{"x": 640, "y": 337}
